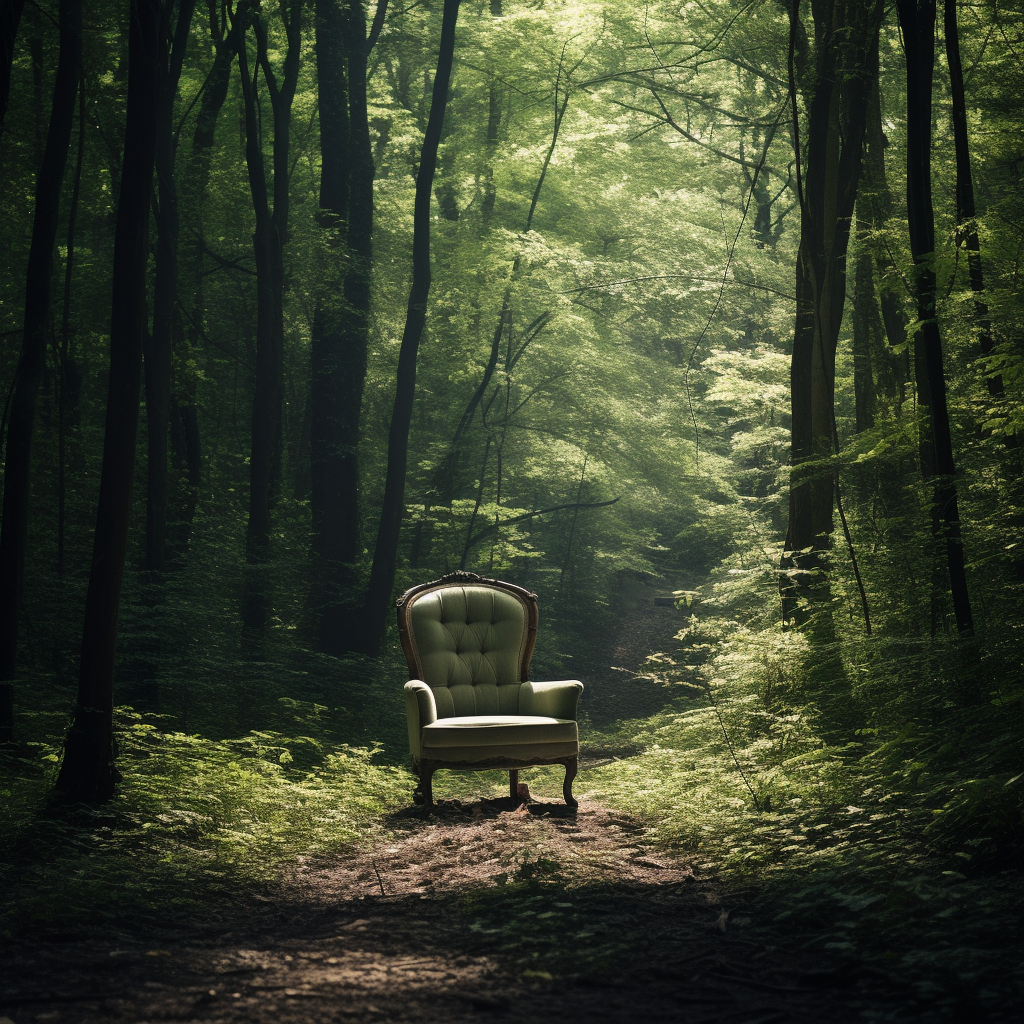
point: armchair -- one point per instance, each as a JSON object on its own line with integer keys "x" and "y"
{"x": 470, "y": 705}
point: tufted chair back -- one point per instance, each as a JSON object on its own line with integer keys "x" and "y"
{"x": 470, "y": 640}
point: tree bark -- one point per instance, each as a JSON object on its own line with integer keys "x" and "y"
{"x": 325, "y": 340}
{"x": 193, "y": 187}
{"x": 494, "y": 98}
{"x": 10, "y": 18}
{"x": 165, "y": 294}
{"x": 865, "y": 320}
{"x": 340, "y": 339}
{"x": 917, "y": 20}
{"x": 268, "y": 249}
{"x": 966, "y": 211}
{"x": 845, "y": 34}
{"x": 32, "y": 359}
{"x": 874, "y": 198}
{"x": 369, "y": 631}
{"x": 68, "y": 375}
{"x": 88, "y": 772}
{"x": 870, "y": 363}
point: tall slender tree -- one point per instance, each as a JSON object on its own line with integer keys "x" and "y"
{"x": 845, "y": 32}
{"x": 270, "y": 204}
{"x": 966, "y": 210}
{"x": 165, "y": 289}
{"x": 32, "y": 360}
{"x": 340, "y": 336}
{"x": 88, "y": 771}
{"x": 889, "y": 364}
{"x": 441, "y": 487}
{"x": 10, "y": 18}
{"x": 917, "y": 21}
{"x": 368, "y": 627}
{"x": 194, "y": 189}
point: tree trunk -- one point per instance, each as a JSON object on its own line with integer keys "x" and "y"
{"x": 35, "y": 49}
{"x": 845, "y": 35}
{"x": 32, "y": 360}
{"x": 356, "y": 324}
{"x": 88, "y": 772}
{"x": 268, "y": 249}
{"x": 165, "y": 294}
{"x": 10, "y": 18}
{"x": 193, "y": 187}
{"x": 865, "y": 317}
{"x": 494, "y": 97}
{"x": 876, "y": 375}
{"x": 917, "y": 20}
{"x": 340, "y": 340}
{"x": 68, "y": 377}
{"x": 369, "y": 632}
{"x": 890, "y": 363}
{"x": 966, "y": 212}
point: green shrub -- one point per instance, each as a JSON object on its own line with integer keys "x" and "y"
{"x": 193, "y": 819}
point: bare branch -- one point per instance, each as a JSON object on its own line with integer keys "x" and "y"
{"x": 495, "y": 527}
{"x": 378, "y": 24}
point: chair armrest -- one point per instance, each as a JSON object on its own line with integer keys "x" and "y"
{"x": 420, "y": 710}
{"x": 552, "y": 700}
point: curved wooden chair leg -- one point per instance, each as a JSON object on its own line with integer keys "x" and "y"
{"x": 425, "y": 788}
{"x": 571, "y": 766}
{"x": 513, "y": 786}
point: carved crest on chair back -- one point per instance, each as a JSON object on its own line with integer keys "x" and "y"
{"x": 470, "y": 704}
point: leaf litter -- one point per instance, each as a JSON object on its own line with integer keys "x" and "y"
{"x": 476, "y": 911}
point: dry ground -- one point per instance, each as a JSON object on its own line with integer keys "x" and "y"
{"x": 476, "y": 913}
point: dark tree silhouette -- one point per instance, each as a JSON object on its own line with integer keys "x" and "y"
{"x": 88, "y": 772}
{"x": 369, "y": 629}
{"x": 165, "y": 292}
{"x": 10, "y": 18}
{"x": 966, "y": 211}
{"x": 845, "y": 35}
{"x": 917, "y": 20}
{"x": 268, "y": 248}
{"x": 32, "y": 360}
{"x": 340, "y": 335}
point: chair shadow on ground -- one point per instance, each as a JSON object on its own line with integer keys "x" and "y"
{"x": 454, "y": 811}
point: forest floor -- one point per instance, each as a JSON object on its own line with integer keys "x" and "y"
{"x": 477, "y": 912}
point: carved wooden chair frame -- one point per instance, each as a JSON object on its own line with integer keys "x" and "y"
{"x": 425, "y": 768}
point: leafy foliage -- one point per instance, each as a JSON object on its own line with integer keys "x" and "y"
{"x": 195, "y": 820}
{"x": 639, "y": 277}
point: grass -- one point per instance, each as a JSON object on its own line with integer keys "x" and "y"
{"x": 887, "y": 852}
{"x": 194, "y": 820}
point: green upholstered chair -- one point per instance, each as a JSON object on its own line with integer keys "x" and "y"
{"x": 468, "y": 641}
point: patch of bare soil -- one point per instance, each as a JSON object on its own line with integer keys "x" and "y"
{"x": 474, "y": 913}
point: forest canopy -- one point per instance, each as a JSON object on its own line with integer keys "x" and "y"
{"x": 716, "y": 301}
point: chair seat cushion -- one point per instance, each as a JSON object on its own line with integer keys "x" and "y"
{"x": 483, "y": 737}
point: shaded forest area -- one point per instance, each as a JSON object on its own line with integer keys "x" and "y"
{"x": 303, "y": 303}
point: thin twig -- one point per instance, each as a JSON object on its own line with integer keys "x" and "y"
{"x": 732, "y": 749}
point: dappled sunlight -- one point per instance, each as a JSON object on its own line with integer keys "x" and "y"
{"x": 696, "y": 329}
{"x": 534, "y": 914}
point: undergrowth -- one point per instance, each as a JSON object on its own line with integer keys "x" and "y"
{"x": 845, "y": 788}
{"x": 194, "y": 820}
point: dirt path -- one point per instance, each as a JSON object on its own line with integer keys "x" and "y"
{"x": 476, "y": 913}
